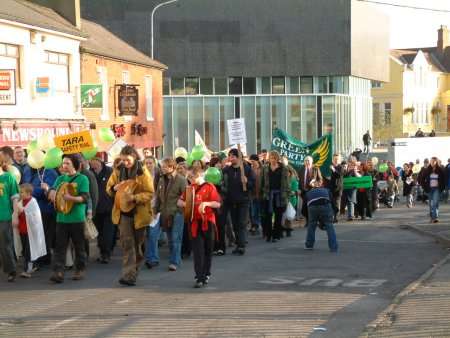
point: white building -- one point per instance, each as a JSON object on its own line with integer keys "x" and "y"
{"x": 39, "y": 73}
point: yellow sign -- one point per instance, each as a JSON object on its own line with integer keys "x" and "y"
{"x": 75, "y": 142}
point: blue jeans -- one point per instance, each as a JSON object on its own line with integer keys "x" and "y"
{"x": 350, "y": 196}
{"x": 323, "y": 214}
{"x": 255, "y": 213}
{"x": 433, "y": 197}
{"x": 175, "y": 236}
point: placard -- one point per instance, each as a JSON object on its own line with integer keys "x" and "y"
{"x": 128, "y": 100}
{"x": 7, "y": 87}
{"x": 236, "y": 131}
{"x": 91, "y": 96}
{"x": 75, "y": 142}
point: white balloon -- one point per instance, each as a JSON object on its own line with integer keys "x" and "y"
{"x": 15, "y": 172}
{"x": 46, "y": 142}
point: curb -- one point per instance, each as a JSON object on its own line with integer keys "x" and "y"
{"x": 440, "y": 239}
{"x": 387, "y": 316}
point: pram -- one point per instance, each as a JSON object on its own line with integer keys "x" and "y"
{"x": 383, "y": 194}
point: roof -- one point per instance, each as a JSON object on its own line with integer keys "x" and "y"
{"x": 104, "y": 43}
{"x": 407, "y": 56}
{"x": 29, "y": 13}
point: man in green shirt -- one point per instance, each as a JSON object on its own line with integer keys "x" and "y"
{"x": 9, "y": 195}
{"x": 71, "y": 225}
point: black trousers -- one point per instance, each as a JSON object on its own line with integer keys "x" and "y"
{"x": 363, "y": 206}
{"x": 105, "y": 228}
{"x": 272, "y": 229}
{"x": 202, "y": 248}
{"x": 64, "y": 232}
{"x": 186, "y": 243}
{"x": 239, "y": 212}
{"x": 221, "y": 223}
{"x": 26, "y": 253}
{"x": 49, "y": 222}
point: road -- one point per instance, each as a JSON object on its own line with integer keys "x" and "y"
{"x": 275, "y": 290}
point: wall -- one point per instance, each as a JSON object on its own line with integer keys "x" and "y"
{"x": 90, "y": 74}
{"x": 247, "y": 37}
{"x": 53, "y": 105}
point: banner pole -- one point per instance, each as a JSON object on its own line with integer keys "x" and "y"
{"x": 241, "y": 166}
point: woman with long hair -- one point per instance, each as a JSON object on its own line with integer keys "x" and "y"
{"x": 434, "y": 185}
{"x": 408, "y": 184}
{"x": 132, "y": 221}
{"x": 275, "y": 195}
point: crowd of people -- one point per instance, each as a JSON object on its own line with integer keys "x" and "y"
{"x": 142, "y": 200}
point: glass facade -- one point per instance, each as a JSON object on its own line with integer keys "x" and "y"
{"x": 306, "y": 107}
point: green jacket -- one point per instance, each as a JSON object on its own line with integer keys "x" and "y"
{"x": 285, "y": 185}
{"x": 166, "y": 198}
{"x": 294, "y": 190}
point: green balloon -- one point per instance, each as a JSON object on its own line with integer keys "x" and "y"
{"x": 189, "y": 159}
{"x": 90, "y": 154}
{"x": 53, "y": 158}
{"x": 382, "y": 168}
{"x": 198, "y": 152}
{"x": 213, "y": 175}
{"x": 33, "y": 145}
{"x": 106, "y": 135}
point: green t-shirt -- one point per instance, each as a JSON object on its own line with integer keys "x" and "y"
{"x": 78, "y": 212}
{"x": 8, "y": 190}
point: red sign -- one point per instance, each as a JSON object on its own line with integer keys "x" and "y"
{"x": 5, "y": 80}
{"x": 27, "y": 132}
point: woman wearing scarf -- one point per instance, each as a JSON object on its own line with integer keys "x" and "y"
{"x": 275, "y": 194}
{"x": 131, "y": 223}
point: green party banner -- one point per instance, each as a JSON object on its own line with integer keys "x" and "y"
{"x": 91, "y": 96}
{"x": 358, "y": 182}
{"x": 321, "y": 150}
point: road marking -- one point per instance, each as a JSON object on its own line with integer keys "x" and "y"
{"x": 327, "y": 282}
{"x": 62, "y": 322}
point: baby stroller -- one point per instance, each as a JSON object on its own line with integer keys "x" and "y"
{"x": 384, "y": 195}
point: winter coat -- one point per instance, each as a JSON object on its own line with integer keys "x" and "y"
{"x": 285, "y": 184}
{"x": 105, "y": 202}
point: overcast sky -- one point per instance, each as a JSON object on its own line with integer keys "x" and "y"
{"x": 412, "y": 27}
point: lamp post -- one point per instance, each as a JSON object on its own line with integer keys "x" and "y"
{"x": 152, "y": 17}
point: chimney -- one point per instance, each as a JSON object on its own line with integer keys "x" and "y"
{"x": 443, "y": 41}
{"x": 68, "y": 9}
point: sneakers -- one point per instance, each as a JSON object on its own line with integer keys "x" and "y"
{"x": 127, "y": 282}
{"x": 435, "y": 220}
{"x": 172, "y": 267}
{"x": 78, "y": 275}
{"x": 238, "y": 251}
{"x": 198, "y": 284}
{"x": 307, "y": 247}
{"x": 151, "y": 265}
{"x": 57, "y": 277}
{"x": 220, "y": 253}
{"x": 25, "y": 275}
{"x": 12, "y": 277}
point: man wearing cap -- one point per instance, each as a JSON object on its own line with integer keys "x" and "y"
{"x": 236, "y": 191}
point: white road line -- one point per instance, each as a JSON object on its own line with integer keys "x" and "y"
{"x": 61, "y": 323}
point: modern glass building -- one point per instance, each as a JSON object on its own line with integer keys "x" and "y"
{"x": 304, "y": 66}
{"x": 305, "y": 106}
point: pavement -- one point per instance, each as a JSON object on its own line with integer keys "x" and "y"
{"x": 422, "y": 309}
{"x": 274, "y": 290}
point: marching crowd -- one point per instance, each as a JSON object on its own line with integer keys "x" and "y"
{"x": 141, "y": 201}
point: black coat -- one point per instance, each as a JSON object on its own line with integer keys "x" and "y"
{"x": 426, "y": 178}
{"x": 105, "y": 202}
{"x": 337, "y": 180}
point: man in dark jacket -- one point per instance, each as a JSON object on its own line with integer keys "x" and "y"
{"x": 20, "y": 162}
{"x": 102, "y": 217}
{"x": 236, "y": 191}
{"x": 336, "y": 184}
{"x": 367, "y": 139}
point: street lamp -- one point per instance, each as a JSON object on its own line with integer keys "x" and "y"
{"x": 153, "y": 14}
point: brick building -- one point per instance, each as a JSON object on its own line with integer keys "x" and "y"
{"x": 109, "y": 65}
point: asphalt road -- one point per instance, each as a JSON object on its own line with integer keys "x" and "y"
{"x": 275, "y": 290}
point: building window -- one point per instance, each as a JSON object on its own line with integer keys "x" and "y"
{"x": 10, "y": 59}
{"x": 220, "y": 86}
{"x": 125, "y": 77}
{"x": 265, "y": 85}
{"x": 294, "y": 85}
{"x": 103, "y": 75}
{"x": 376, "y": 113}
{"x": 322, "y": 84}
{"x": 166, "y": 86}
{"x": 191, "y": 86}
{"x": 235, "y": 85}
{"x": 306, "y": 84}
{"x": 387, "y": 113}
{"x": 206, "y": 86}
{"x": 57, "y": 66}
{"x": 177, "y": 86}
{"x": 278, "y": 85}
{"x": 249, "y": 85}
{"x": 148, "y": 97}
{"x": 335, "y": 84}
{"x": 377, "y": 84}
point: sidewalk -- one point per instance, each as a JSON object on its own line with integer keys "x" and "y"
{"x": 422, "y": 309}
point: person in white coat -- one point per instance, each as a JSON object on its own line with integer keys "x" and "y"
{"x": 31, "y": 229}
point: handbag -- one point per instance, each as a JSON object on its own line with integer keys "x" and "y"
{"x": 290, "y": 212}
{"x": 90, "y": 230}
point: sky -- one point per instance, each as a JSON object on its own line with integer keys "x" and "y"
{"x": 413, "y": 27}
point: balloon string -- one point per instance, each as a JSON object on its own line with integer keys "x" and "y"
{"x": 41, "y": 178}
